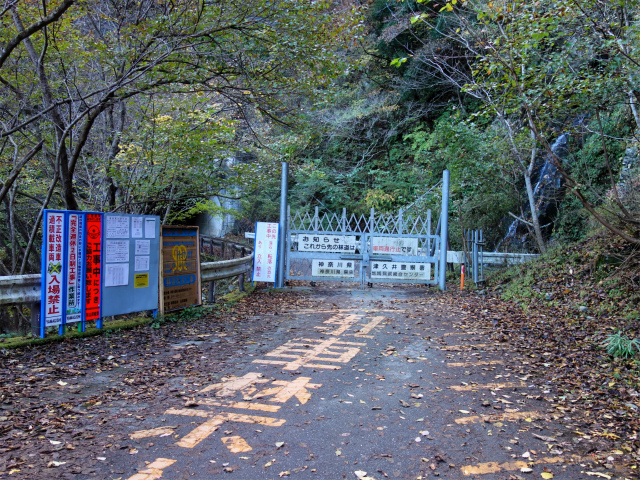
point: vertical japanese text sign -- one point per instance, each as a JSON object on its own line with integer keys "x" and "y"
{"x": 265, "y": 252}
{"x": 75, "y": 267}
{"x": 93, "y": 266}
{"x": 53, "y": 270}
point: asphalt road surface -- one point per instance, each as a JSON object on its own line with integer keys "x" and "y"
{"x": 375, "y": 384}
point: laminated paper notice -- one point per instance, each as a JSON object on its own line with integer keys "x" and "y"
{"x": 117, "y": 227}
{"x": 136, "y": 227}
{"x": 141, "y": 280}
{"x": 149, "y": 228}
{"x": 117, "y": 251}
{"x": 142, "y": 263}
{"x": 116, "y": 274}
{"x": 143, "y": 247}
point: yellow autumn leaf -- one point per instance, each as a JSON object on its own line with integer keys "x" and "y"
{"x": 546, "y": 475}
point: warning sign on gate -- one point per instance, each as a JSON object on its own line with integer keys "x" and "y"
{"x": 400, "y": 271}
{"x": 326, "y": 243}
{"x": 332, "y": 268}
{"x": 394, "y": 245}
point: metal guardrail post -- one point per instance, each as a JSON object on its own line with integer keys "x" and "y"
{"x": 211, "y": 295}
{"x": 35, "y": 318}
{"x": 241, "y": 276}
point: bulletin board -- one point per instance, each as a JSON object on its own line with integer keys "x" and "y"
{"x": 130, "y": 263}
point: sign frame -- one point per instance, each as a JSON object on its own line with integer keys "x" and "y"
{"x": 161, "y": 288}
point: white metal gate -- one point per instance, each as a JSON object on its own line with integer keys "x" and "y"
{"x": 390, "y": 248}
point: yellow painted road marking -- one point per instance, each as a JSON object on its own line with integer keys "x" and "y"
{"x": 330, "y": 350}
{"x": 495, "y": 467}
{"x": 201, "y": 432}
{"x": 455, "y": 348}
{"x": 491, "y": 386}
{"x": 195, "y": 436}
{"x": 345, "y": 323}
{"x": 153, "y": 471}
{"x": 236, "y": 444}
{"x": 475, "y": 364}
{"x": 375, "y": 321}
{"x": 296, "y": 388}
{"x": 233, "y": 384}
{"x": 243, "y": 405}
{"x": 500, "y": 417}
{"x": 154, "y": 432}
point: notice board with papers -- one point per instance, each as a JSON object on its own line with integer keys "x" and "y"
{"x": 131, "y": 263}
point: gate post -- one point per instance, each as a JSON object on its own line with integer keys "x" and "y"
{"x": 282, "y": 243}
{"x": 444, "y": 230}
{"x": 429, "y": 230}
{"x": 475, "y": 257}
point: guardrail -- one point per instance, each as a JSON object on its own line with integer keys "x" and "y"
{"x": 493, "y": 258}
{"x": 25, "y": 289}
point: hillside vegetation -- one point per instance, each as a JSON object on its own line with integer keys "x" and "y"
{"x": 573, "y": 319}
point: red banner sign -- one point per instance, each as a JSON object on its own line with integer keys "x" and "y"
{"x": 93, "y": 263}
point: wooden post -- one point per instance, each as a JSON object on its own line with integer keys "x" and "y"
{"x": 222, "y": 249}
{"x": 211, "y": 246}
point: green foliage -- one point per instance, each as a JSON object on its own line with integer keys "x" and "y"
{"x": 620, "y": 346}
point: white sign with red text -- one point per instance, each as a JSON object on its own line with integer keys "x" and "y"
{"x": 394, "y": 245}
{"x": 75, "y": 266}
{"x": 265, "y": 252}
{"x": 53, "y": 268}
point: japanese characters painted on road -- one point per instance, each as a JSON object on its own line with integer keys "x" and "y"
{"x": 131, "y": 263}
{"x": 75, "y": 267}
{"x": 332, "y": 268}
{"x": 400, "y": 270}
{"x": 53, "y": 273}
{"x": 265, "y": 252}
{"x": 93, "y": 266}
{"x": 326, "y": 243}
{"x": 180, "y": 260}
{"x": 394, "y": 245}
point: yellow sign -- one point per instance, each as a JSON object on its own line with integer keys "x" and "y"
{"x": 141, "y": 280}
{"x": 179, "y": 254}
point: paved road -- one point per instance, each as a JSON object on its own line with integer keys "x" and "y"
{"x": 383, "y": 381}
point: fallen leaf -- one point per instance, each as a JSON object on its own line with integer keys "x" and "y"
{"x": 546, "y": 475}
